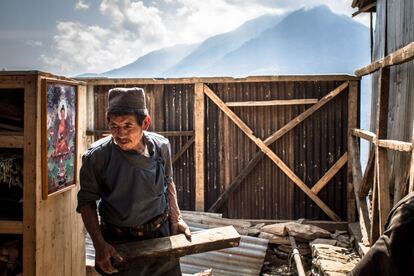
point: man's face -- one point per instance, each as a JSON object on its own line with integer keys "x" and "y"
{"x": 126, "y": 132}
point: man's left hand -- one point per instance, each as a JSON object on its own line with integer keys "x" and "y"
{"x": 181, "y": 227}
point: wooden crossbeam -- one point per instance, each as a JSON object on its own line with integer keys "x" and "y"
{"x": 273, "y": 102}
{"x": 330, "y": 174}
{"x": 263, "y": 147}
{"x": 364, "y": 134}
{"x": 400, "y": 56}
{"x": 183, "y": 149}
{"x": 272, "y": 138}
{"x": 169, "y": 248}
{"x": 395, "y": 145}
{"x": 368, "y": 179}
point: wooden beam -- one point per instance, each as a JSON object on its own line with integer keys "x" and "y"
{"x": 161, "y": 81}
{"x": 11, "y": 140}
{"x": 183, "y": 149}
{"x": 361, "y": 203}
{"x": 199, "y": 145}
{"x": 168, "y": 248}
{"x": 273, "y": 102}
{"x": 400, "y": 56}
{"x": 266, "y": 150}
{"x": 11, "y": 227}
{"x": 367, "y": 8}
{"x": 330, "y": 174}
{"x": 374, "y": 218}
{"x": 272, "y": 138}
{"x": 163, "y": 133}
{"x": 384, "y": 203}
{"x": 352, "y": 123}
{"x": 364, "y": 134}
{"x": 395, "y": 145}
{"x": 296, "y": 256}
{"x": 368, "y": 179}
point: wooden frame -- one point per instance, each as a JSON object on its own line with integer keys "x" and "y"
{"x": 59, "y": 136}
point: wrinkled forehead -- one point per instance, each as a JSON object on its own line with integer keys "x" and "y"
{"x": 122, "y": 120}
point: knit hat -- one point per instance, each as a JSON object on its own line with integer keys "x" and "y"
{"x": 127, "y": 99}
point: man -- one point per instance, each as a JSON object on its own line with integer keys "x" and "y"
{"x": 393, "y": 253}
{"x": 130, "y": 172}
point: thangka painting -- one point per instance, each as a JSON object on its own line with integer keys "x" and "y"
{"x": 60, "y": 131}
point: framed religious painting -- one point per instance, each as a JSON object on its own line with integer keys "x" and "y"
{"x": 59, "y": 136}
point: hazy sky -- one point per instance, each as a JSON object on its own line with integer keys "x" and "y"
{"x": 69, "y": 37}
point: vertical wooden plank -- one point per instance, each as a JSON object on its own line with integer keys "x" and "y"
{"x": 374, "y": 233}
{"x": 384, "y": 205}
{"x": 199, "y": 145}
{"x": 411, "y": 168}
{"x": 31, "y": 173}
{"x": 352, "y": 123}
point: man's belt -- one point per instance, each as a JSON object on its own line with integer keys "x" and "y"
{"x": 137, "y": 231}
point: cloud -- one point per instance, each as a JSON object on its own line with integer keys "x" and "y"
{"x": 137, "y": 27}
{"x": 34, "y": 43}
{"x": 80, "y": 5}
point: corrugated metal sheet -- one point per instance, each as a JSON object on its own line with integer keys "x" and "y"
{"x": 247, "y": 259}
{"x": 310, "y": 149}
{"x": 395, "y": 29}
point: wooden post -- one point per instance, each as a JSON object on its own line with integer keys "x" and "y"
{"x": 199, "y": 145}
{"x": 352, "y": 123}
{"x": 384, "y": 205}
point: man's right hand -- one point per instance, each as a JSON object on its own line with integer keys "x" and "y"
{"x": 104, "y": 252}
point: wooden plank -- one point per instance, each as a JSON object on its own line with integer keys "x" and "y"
{"x": 272, "y": 138}
{"x": 163, "y": 133}
{"x": 330, "y": 174}
{"x": 368, "y": 179}
{"x": 12, "y": 82}
{"x": 353, "y": 119}
{"x": 183, "y": 149}
{"x": 281, "y": 78}
{"x": 374, "y": 218}
{"x": 31, "y": 172}
{"x": 199, "y": 145}
{"x": 384, "y": 203}
{"x": 411, "y": 173}
{"x": 400, "y": 56}
{"x": 395, "y": 145}
{"x": 11, "y": 227}
{"x": 368, "y": 8}
{"x": 11, "y": 140}
{"x": 364, "y": 134}
{"x": 142, "y": 252}
{"x": 266, "y": 150}
{"x": 273, "y": 102}
{"x": 361, "y": 203}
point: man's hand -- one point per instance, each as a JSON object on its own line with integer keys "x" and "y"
{"x": 180, "y": 227}
{"x": 104, "y": 252}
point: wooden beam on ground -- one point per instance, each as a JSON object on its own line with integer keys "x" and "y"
{"x": 272, "y": 138}
{"x": 330, "y": 174}
{"x": 169, "y": 248}
{"x": 199, "y": 145}
{"x": 273, "y": 102}
{"x": 353, "y": 104}
{"x": 384, "y": 203}
{"x": 368, "y": 179}
{"x": 183, "y": 149}
{"x": 361, "y": 203}
{"x": 296, "y": 256}
{"x": 395, "y": 145}
{"x": 400, "y": 56}
{"x": 263, "y": 147}
{"x": 364, "y": 134}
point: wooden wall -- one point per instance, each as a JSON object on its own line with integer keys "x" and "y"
{"x": 310, "y": 149}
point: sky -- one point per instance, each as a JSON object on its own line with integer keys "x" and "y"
{"x": 70, "y": 37}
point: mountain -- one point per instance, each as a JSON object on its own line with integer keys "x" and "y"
{"x": 151, "y": 64}
{"x": 311, "y": 41}
{"x": 214, "y": 48}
